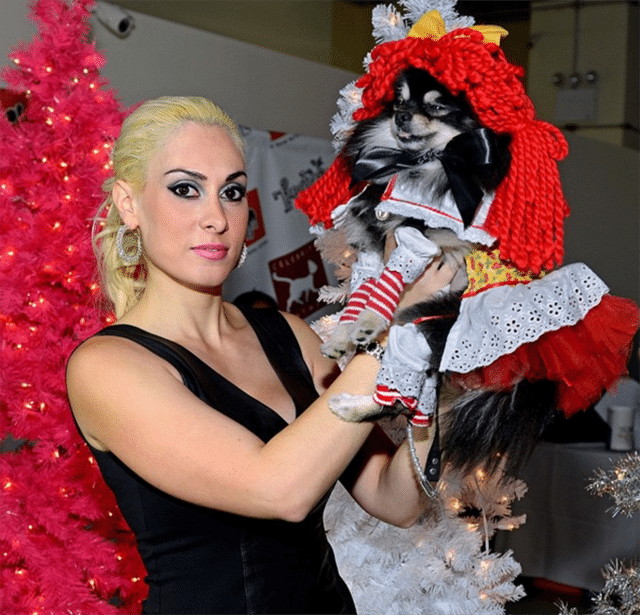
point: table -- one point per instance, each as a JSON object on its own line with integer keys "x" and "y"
{"x": 569, "y": 536}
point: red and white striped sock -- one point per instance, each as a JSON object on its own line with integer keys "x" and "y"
{"x": 386, "y": 396}
{"x": 385, "y": 295}
{"x": 421, "y": 420}
{"x": 357, "y": 301}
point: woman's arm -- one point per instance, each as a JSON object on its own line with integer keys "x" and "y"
{"x": 383, "y": 480}
{"x": 382, "y": 477}
{"x": 132, "y": 403}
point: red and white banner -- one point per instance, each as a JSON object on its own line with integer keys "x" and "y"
{"x": 282, "y": 260}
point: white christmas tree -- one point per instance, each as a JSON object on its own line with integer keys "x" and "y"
{"x": 443, "y": 565}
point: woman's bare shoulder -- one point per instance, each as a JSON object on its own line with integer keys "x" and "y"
{"x": 104, "y": 355}
{"x": 105, "y": 369}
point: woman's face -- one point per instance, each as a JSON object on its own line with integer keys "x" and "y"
{"x": 192, "y": 213}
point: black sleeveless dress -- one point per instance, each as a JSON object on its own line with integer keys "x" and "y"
{"x": 200, "y": 560}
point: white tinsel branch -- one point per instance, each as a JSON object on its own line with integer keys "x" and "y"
{"x": 388, "y": 24}
{"x": 342, "y": 123}
{"x": 414, "y": 9}
{"x": 484, "y": 500}
{"x": 622, "y": 483}
{"x": 621, "y": 593}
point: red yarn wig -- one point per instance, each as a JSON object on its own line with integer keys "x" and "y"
{"x": 528, "y": 210}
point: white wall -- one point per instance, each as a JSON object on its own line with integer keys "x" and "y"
{"x": 15, "y": 27}
{"x": 600, "y": 182}
{"x": 260, "y": 88}
{"x": 591, "y": 36}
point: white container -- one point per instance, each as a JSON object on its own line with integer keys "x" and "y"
{"x": 620, "y": 420}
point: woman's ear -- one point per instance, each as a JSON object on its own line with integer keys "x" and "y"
{"x": 125, "y": 200}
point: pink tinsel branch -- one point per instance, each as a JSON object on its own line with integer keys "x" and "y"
{"x": 65, "y": 546}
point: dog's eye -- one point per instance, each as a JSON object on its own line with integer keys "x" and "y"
{"x": 436, "y": 109}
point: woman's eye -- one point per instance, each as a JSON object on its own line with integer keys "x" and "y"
{"x": 184, "y": 190}
{"x": 233, "y": 192}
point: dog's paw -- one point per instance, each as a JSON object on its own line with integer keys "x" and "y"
{"x": 353, "y": 408}
{"x": 367, "y": 328}
{"x": 339, "y": 343}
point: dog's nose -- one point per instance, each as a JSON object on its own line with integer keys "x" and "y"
{"x": 403, "y": 118}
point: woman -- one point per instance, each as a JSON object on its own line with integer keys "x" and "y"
{"x": 194, "y": 407}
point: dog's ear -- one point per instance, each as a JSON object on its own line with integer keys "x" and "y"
{"x": 402, "y": 91}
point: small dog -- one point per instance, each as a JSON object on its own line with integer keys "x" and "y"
{"x": 431, "y": 140}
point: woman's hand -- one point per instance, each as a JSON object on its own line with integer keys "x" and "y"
{"x": 436, "y": 276}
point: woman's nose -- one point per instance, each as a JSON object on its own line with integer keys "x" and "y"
{"x": 214, "y": 217}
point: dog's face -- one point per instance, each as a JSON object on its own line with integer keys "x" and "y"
{"x": 425, "y": 114}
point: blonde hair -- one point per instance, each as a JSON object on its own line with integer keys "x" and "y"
{"x": 143, "y": 133}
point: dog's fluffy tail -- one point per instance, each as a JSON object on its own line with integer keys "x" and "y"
{"x": 484, "y": 428}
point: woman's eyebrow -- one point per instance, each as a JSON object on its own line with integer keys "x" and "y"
{"x": 193, "y": 174}
{"x": 236, "y": 175}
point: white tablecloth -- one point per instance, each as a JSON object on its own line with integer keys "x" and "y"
{"x": 569, "y": 536}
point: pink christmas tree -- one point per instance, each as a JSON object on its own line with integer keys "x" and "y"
{"x": 64, "y": 546}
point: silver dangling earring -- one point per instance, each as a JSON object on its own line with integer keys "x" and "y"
{"x": 243, "y": 256}
{"x": 128, "y": 259}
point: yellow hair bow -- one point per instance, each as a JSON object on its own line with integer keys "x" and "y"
{"x": 431, "y": 25}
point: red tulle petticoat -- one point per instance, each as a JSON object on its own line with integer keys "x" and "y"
{"x": 583, "y": 359}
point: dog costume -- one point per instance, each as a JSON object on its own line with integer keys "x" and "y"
{"x": 520, "y": 320}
